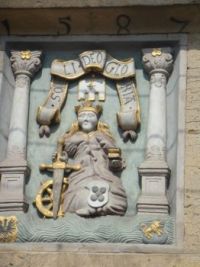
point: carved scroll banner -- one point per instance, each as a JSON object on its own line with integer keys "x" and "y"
{"x": 99, "y": 65}
{"x": 117, "y": 70}
{"x": 69, "y": 70}
{"x": 50, "y": 111}
{"x": 129, "y": 116}
{"x": 93, "y": 60}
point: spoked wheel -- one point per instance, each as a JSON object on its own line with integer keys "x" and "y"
{"x": 44, "y": 198}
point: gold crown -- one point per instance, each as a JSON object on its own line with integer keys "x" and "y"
{"x": 88, "y": 106}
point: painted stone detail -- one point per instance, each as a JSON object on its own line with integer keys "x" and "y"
{"x": 8, "y": 229}
{"x": 88, "y": 156}
{"x": 92, "y": 88}
{"x": 27, "y": 62}
{"x": 44, "y": 199}
{"x": 93, "y": 189}
{"x": 153, "y": 232}
{"x": 92, "y": 68}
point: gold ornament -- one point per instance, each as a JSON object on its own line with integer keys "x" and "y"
{"x": 88, "y": 106}
{"x": 26, "y": 55}
{"x": 44, "y": 198}
{"x": 154, "y": 228}
{"x": 156, "y": 52}
{"x": 8, "y": 229}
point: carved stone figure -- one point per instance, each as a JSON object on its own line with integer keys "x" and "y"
{"x": 93, "y": 190}
{"x": 95, "y": 66}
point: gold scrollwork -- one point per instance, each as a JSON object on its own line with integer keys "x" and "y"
{"x": 151, "y": 229}
{"x": 156, "y": 52}
{"x": 44, "y": 198}
{"x": 26, "y": 55}
{"x": 8, "y": 229}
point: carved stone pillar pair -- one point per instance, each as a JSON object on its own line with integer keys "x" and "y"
{"x": 14, "y": 168}
{"x": 154, "y": 171}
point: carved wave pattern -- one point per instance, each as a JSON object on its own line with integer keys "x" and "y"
{"x": 72, "y": 228}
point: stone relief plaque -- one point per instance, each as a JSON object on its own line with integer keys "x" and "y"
{"x": 93, "y": 62}
{"x": 98, "y": 161}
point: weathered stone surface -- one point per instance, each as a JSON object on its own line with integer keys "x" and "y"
{"x": 90, "y": 3}
{"x": 54, "y": 259}
{"x": 192, "y": 149}
{"x": 14, "y": 259}
{"x": 119, "y": 21}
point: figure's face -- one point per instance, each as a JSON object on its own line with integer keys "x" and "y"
{"x": 87, "y": 121}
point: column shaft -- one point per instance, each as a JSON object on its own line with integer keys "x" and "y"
{"x": 156, "y": 131}
{"x": 19, "y": 117}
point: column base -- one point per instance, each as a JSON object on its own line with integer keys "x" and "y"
{"x": 12, "y": 184}
{"x": 152, "y": 204}
{"x": 154, "y": 177}
{"x": 14, "y": 205}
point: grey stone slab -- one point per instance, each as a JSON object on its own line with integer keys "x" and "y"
{"x": 10, "y": 259}
{"x": 90, "y": 3}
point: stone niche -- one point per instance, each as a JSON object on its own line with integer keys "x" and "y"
{"x": 153, "y": 177}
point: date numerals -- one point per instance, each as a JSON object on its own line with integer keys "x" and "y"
{"x": 65, "y": 22}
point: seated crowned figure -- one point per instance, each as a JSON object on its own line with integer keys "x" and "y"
{"x": 93, "y": 190}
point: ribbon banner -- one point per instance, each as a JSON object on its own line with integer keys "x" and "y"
{"x": 101, "y": 63}
{"x": 129, "y": 116}
{"x": 50, "y": 111}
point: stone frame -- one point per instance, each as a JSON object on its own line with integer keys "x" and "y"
{"x": 181, "y": 41}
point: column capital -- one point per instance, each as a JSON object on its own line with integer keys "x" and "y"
{"x": 158, "y": 60}
{"x": 25, "y": 62}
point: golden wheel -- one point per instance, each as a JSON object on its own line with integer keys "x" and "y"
{"x": 44, "y": 198}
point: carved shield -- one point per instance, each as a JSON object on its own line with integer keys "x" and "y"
{"x": 98, "y": 195}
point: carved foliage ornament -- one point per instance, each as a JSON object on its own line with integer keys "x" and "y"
{"x": 154, "y": 228}
{"x": 25, "y": 62}
{"x": 8, "y": 229}
{"x": 153, "y": 232}
{"x": 158, "y": 60}
{"x": 100, "y": 65}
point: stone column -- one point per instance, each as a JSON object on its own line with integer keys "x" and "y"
{"x": 14, "y": 168}
{"x": 154, "y": 171}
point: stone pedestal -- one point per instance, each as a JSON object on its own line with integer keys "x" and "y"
{"x": 14, "y": 169}
{"x": 154, "y": 171}
{"x": 154, "y": 180}
{"x": 13, "y": 176}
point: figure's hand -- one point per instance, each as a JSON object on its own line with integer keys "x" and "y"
{"x": 54, "y": 156}
{"x": 63, "y": 157}
{"x": 105, "y": 142}
{"x": 71, "y": 149}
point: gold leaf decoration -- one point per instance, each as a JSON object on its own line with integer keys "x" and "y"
{"x": 156, "y": 52}
{"x": 154, "y": 228}
{"x": 26, "y": 55}
{"x": 8, "y": 229}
